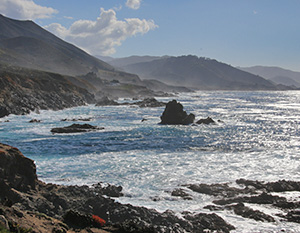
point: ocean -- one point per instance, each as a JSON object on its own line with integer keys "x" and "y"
{"x": 257, "y": 138}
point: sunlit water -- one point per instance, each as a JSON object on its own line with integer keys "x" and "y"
{"x": 257, "y": 139}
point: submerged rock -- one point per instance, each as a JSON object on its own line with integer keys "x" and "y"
{"x": 174, "y": 115}
{"x": 76, "y": 128}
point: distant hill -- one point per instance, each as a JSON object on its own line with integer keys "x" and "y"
{"x": 198, "y": 73}
{"x": 121, "y": 62}
{"x": 275, "y": 74}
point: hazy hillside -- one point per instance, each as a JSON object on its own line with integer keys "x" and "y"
{"x": 200, "y": 73}
{"x": 121, "y": 62}
{"x": 276, "y": 74}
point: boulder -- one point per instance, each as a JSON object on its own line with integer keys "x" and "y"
{"x": 206, "y": 121}
{"x": 16, "y": 171}
{"x": 174, "y": 115}
{"x": 150, "y": 103}
{"x": 105, "y": 101}
{"x": 76, "y": 128}
{"x": 3, "y": 112}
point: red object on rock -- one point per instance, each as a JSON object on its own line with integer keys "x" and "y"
{"x": 99, "y": 220}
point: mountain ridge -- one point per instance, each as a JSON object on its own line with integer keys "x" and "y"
{"x": 199, "y": 73}
{"x": 276, "y": 74}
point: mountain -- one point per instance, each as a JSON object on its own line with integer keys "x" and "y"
{"x": 198, "y": 73}
{"x": 275, "y": 74}
{"x": 24, "y": 43}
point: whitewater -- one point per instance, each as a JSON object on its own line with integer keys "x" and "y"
{"x": 256, "y": 138}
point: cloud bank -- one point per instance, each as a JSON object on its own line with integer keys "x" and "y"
{"x": 102, "y": 36}
{"x": 133, "y": 4}
{"x": 25, "y": 9}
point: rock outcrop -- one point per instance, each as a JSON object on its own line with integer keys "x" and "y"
{"x": 174, "y": 115}
{"x": 206, "y": 121}
{"x": 76, "y": 128}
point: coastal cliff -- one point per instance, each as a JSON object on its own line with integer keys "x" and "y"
{"x": 24, "y": 90}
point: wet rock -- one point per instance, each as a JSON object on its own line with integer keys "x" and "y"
{"x": 3, "y": 111}
{"x": 206, "y": 121}
{"x": 181, "y": 193}
{"x": 77, "y": 119}
{"x": 16, "y": 171}
{"x": 150, "y": 103}
{"x": 76, "y": 128}
{"x": 278, "y": 186}
{"x": 292, "y": 216}
{"x": 109, "y": 190}
{"x": 263, "y": 198}
{"x": 105, "y": 101}
{"x": 204, "y": 222}
{"x": 246, "y": 212}
{"x": 218, "y": 189}
{"x": 34, "y": 121}
{"x": 174, "y": 115}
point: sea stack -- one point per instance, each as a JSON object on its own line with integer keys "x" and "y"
{"x": 174, "y": 115}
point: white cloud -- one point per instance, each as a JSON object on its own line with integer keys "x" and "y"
{"x": 25, "y": 9}
{"x": 133, "y": 4}
{"x": 101, "y": 37}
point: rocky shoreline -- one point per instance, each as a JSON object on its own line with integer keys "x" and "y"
{"x": 30, "y": 205}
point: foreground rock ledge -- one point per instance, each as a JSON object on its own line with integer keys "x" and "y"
{"x": 29, "y": 204}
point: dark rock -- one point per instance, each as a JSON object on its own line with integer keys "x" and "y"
{"x": 218, "y": 189}
{"x": 263, "y": 198}
{"x": 181, "y": 193}
{"x": 77, "y": 119}
{"x": 206, "y": 121}
{"x": 34, "y": 121}
{"x": 3, "y": 111}
{"x": 77, "y": 220}
{"x": 105, "y": 101}
{"x": 174, "y": 115}
{"x": 149, "y": 103}
{"x": 76, "y": 128}
{"x": 278, "y": 186}
{"x": 109, "y": 190}
{"x": 292, "y": 216}
{"x": 16, "y": 171}
{"x": 203, "y": 222}
{"x": 246, "y": 212}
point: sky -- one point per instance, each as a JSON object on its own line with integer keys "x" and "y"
{"x": 237, "y": 32}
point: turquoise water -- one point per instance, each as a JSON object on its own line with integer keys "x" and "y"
{"x": 258, "y": 138}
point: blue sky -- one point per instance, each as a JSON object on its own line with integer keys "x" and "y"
{"x": 237, "y": 32}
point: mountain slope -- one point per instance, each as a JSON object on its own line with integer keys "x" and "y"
{"x": 276, "y": 74}
{"x": 199, "y": 73}
{"x": 26, "y": 43}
